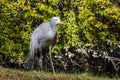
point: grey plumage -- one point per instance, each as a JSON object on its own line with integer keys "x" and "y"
{"x": 43, "y": 39}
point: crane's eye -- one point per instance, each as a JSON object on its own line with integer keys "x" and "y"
{"x": 57, "y": 20}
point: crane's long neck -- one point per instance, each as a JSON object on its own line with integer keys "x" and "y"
{"x": 53, "y": 27}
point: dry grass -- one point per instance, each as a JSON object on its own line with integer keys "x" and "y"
{"x": 15, "y": 74}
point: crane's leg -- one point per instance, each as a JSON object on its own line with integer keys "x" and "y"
{"x": 40, "y": 63}
{"x": 50, "y": 47}
{"x": 29, "y": 63}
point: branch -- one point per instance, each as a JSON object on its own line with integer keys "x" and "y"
{"x": 114, "y": 60}
{"x": 74, "y": 62}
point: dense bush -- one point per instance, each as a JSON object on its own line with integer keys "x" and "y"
{"x": 94, "y": 22}
{"x": 17, "y": 21}
{"x": 87, "y": 58}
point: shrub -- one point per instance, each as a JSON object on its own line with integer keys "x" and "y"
{"x": 93, "y": 22}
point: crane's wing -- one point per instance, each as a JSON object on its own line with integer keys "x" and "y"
{"x": 42, "y": 29}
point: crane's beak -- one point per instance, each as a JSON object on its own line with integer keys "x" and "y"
{"x": 61, "y": 23}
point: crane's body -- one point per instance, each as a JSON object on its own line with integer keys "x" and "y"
{"x": 43, "y": 39}
{"x": 42, "y": 33}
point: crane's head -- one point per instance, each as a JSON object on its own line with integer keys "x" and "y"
{"x": 56, "y": 20}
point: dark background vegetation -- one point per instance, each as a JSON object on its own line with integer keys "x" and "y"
{"x": 91, "y": 33}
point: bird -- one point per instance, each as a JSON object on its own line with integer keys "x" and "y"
{"x": 43, "y": 39}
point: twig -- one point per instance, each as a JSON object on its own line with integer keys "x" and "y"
{"x": 114, "y": 60}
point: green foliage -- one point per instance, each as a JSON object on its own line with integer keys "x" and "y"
{"x": 85, "y": 22}
{"x": 100, "y": 20}
{"x": 17, "y": 21}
